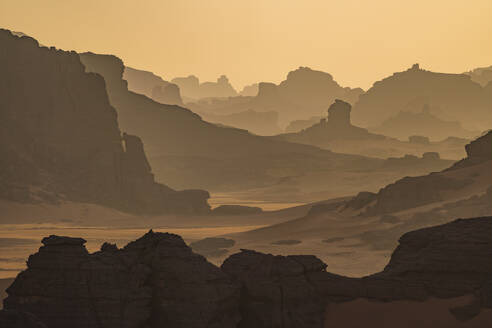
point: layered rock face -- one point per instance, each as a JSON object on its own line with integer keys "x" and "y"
{"x": 155, "y": 281}
{"x": 59, "y": 137}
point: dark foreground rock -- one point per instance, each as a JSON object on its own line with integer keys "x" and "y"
{"x": 18, "y": 319}
{"x": 277, "y": 290}
{"x": 157, "y": 281}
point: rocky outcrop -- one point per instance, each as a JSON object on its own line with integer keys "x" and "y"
{"x": 481, "y": 75}
{"x": 192, "y": 89}
{"x": 153, "y": 86}
{"x": 478, "y": 151}
{"x": 443, "y": 262}
{"x": 154, "y": 281}
{"x": 304, "y": 93}
{"x": 336, "y": 127}
{"x": 59, "y": 137}
{"x": 168, "y": 94}
{"x": 447, "y": 94}
{"x": 339, "y": 113}
{"x": 481, "y": 148}
{"x": 411, "y": 192}
{"x": 277, "y": 291}
{"x": 158, "y": 281}
{"x": 185, "y": 150}
{"x": 250, "y": 90}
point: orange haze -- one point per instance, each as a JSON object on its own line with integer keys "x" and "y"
{"x": 358, "y": 41}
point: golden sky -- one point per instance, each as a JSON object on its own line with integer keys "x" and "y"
{"x": 357, "y": 41}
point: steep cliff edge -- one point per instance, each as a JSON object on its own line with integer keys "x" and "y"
{"x": 185, "y": 150}
{"x": 59, "y": 137}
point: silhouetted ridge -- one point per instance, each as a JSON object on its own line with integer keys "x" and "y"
{"x": 452, "y": 96}
{"x": 158, "y": 281}
{"x": 153, "y": 86}
{"x": 59, "y": 137}
{"x": 304, "y": 93}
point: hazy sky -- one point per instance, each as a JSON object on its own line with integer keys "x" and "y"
{"x": 357, "y": 41}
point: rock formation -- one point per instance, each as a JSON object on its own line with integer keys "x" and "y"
{"x": 411, "y": 192}
{"x": 157, "y": 281}
{"x": 304, "y": 93}
{"x": 185, "y": 150}
{"x": 168, "y": 94}
{"x": 59, "y": 137}
{"x": 250, "y": 90}
{"x": 192, "y": 89}
{"x": 277, "y": 291}
{"x": 153, "y": 86}
{"x": 481, "y": 75}
{"x": 454, "y": 97}
{"x": 337, "y": 133}
{"x": 480, "y": 148}
{"x": 337, "y": 127}
{"x": 154, "y": 281}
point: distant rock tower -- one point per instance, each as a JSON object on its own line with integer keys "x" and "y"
{"x": 339, "y": 113}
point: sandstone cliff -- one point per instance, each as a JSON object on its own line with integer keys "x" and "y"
{"x": 185, "y": 150}
{"x": 59, "y": 137}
